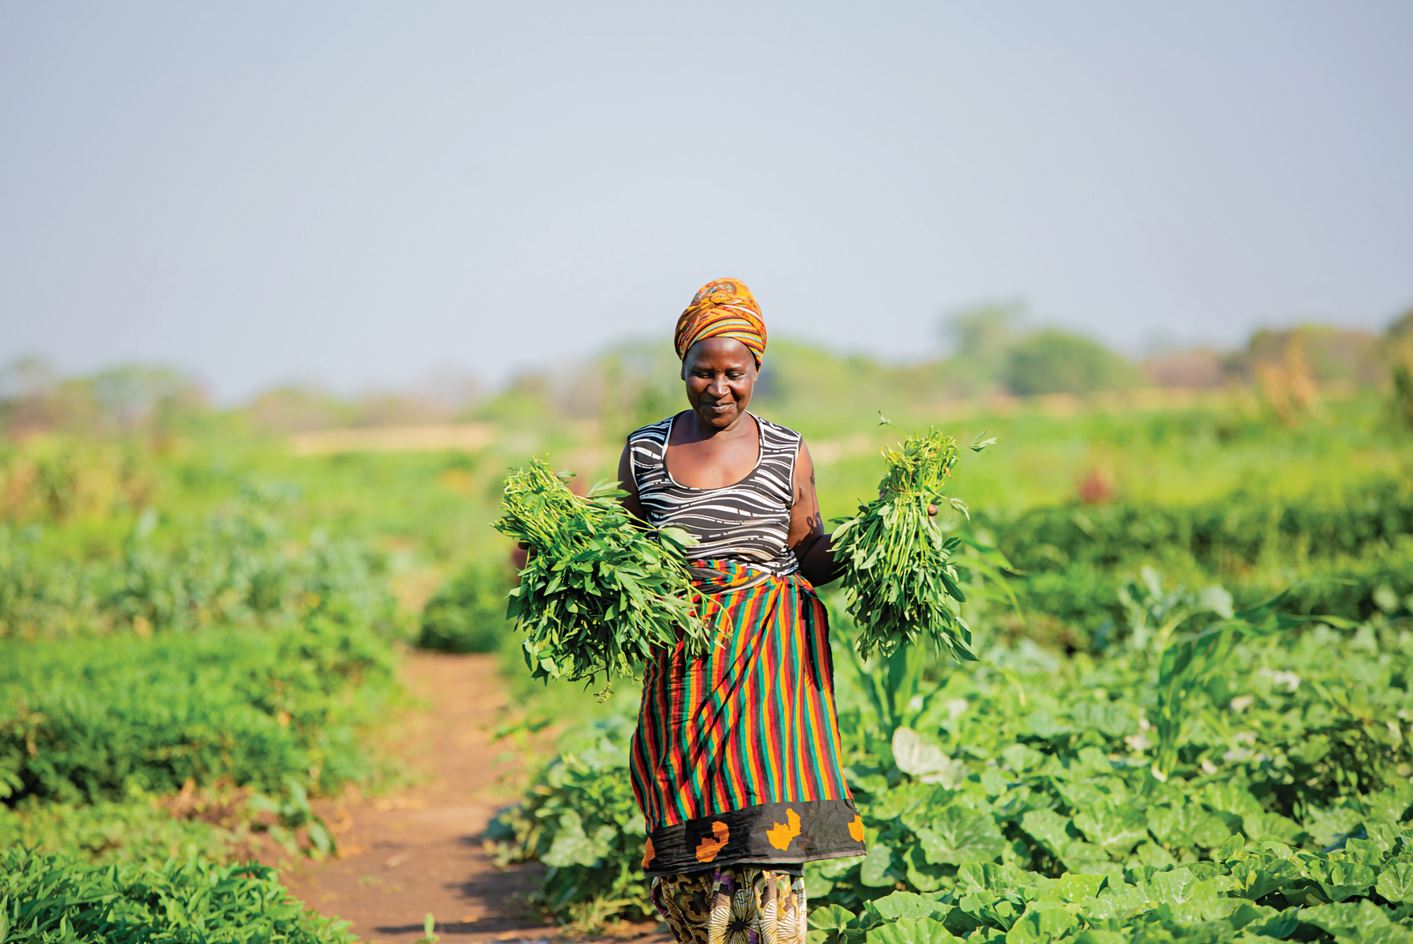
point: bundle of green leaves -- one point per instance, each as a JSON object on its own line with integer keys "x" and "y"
{"x": 899, "y": 577}
{"x": 599, "y": 591}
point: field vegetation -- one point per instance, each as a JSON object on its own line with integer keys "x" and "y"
{"x": 1190, "y": 717}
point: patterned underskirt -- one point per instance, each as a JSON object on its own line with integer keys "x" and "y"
{"x": 733, "y": 905}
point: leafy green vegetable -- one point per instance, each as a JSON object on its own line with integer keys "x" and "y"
{"x": 54, "y": 899}
{"x": 900, "y": 577}
{"x": 599, "y": 593}
{"x": 1015, "y": 800}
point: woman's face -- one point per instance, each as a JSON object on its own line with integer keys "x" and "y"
{"x": 720, "y": 375}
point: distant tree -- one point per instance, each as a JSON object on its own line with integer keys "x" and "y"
{"x": 1054, "y": 361}
{"x": 1398, "y": 354}
{"x": 295, "y": 408}
{"x": 27, "y": 388}
{"x": 1402, "y": 327}
{"x": 978, "y": 341}
{"x": 528, "y": 397}
{"x": 125, "y": 398}
{"x": 393, "y": 408}
{"x": 634, "y": 382}
{"x": 453, "y": 389}
{"x": 134, "y": 395}
{"x": 26, "y": 376}
{"x": 1330, "y": 353}
{"x": 1198, "y": 368}
{"x": 983, "y": 334}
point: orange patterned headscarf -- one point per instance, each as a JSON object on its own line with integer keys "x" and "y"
{"x": 723, "y": 308}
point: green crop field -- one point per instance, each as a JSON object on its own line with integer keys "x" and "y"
{"x": 1190, "y": 718}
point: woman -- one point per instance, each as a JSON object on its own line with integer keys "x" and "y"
{"x": 736, "y": 759}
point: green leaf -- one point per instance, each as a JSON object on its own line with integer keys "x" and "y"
{"x": 571, "y": 846}
{"x": 926, "y": 761}
{"x": 957, "y": 836}
{"x": 1042, "y": 923}
{"x": 320, "y": 837}
{"x": 910, "y": 931}
{"x": 1395, "y": 883}
{"x": 1113, "y": 828}
{"x": 877, "y": 867}
{"x": 830, "y": 917}
{"x": 906, "y": 905}
{"x": 1356, "y": 921}
{"x": 1051, "y": 830}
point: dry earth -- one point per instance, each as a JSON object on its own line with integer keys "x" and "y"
{"x": 419, "y": 851}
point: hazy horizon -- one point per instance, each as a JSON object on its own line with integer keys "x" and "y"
{"x": 363, "y": 196}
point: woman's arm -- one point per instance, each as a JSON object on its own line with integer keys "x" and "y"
{"x": 629, "y": 484}
{"x": 812, "y": 546}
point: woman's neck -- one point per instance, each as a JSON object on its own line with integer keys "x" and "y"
{"x": 700, "y": 431}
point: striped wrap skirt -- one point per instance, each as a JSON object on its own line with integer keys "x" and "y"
{"x": 735, "y": 761}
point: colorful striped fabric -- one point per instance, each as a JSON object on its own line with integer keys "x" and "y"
{"x": 736, "y": 758}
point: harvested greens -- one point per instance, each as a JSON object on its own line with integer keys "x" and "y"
{"x": 599, "y": 592}
{"x": 899, "y": 578}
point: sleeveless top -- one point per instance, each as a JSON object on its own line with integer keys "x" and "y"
{"x": 736, "y": 758}
{"x": 747, "y": 522}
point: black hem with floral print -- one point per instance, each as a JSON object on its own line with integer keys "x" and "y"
{"x": 769, "y": 835}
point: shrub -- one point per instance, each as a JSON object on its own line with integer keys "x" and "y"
{"x": 468, "y": 613}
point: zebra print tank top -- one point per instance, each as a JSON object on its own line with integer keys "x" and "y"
{"x": 747, "y": 522}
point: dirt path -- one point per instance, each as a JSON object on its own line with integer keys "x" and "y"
{"x": 418, "y": 851}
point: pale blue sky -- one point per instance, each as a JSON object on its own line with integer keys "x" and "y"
{"x": 367, "y": 193}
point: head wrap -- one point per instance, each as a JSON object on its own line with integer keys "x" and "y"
{"x": 723, "y": 308}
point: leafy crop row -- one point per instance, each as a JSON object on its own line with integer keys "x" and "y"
{"x": 56, "y": 900}
{"x": 239, "y": 566}
{"x": 97, "y": 719}
{"x": 1203, "y": 786}
{"x": 170, "y": 682}
{"x": 1346, "y": 552}
{"x": 1085, "y": 606}
{"x": 1236, "y": 527}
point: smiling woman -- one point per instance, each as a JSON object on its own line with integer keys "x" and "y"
{"x": 735, "y": 761}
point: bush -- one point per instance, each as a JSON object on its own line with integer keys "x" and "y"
{"x": 580, "y": 820}
{"x": 468, "y": 613}
{"x": 1052, "y": 361}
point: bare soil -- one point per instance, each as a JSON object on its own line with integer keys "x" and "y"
{"x": 419, "y": 851}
